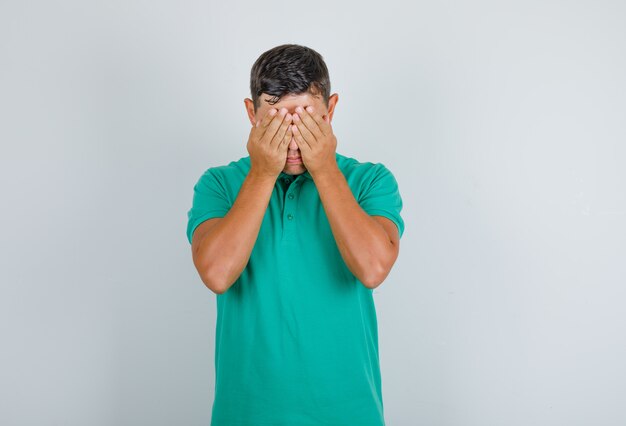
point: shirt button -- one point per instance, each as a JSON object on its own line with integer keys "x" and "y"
{"x": 289, "y": 216}
{"x": 290, "y": 196}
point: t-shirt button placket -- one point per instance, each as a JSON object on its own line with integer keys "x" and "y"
{"x": 290, "y": 196}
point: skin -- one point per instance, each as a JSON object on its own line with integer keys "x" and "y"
{"x": 221, "y": 247}
{"x": 290, "y": 102}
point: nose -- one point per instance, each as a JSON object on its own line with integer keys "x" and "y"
{"x": 292, "y": 144}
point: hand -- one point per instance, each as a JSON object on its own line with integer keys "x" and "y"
{"x": 315, "y": 139}
{"x": 269, "y": 141}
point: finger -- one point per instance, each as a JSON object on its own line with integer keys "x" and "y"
{"x": 318, "y": 118}
{"x": 273, "y": 125}
{"x": 302, "y": 143}
{"x": 307, "y": 119}
{"x": 322, "y": 121}
{"x": 262, "y": 123}
{"x": 286, "y": 138}
{"x": 280, "y": 133}
{"x": 303, "y": 130}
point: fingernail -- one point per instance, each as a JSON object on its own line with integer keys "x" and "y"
{"x": 299, "y": 109}
{"x": 273, "y": 111}
{"x": 309, "y": 108}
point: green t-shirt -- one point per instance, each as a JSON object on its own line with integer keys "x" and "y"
{"x": 296, "y": 338}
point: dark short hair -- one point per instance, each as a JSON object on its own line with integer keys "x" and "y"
{"x": 289, "y": 69}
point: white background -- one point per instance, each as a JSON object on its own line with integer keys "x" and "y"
{"x": 503, "y": 123}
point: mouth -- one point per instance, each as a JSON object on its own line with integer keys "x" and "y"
{"x": 294, "y": 160}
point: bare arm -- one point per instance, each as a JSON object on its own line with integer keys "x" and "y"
{"x": 222, "y": 247}
{"x": 221, "y": 252}
{"x": 368, "y": 244}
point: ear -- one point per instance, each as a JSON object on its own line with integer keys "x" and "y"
{"x": 250, "y": 111}
{"x": 332, "y": 102}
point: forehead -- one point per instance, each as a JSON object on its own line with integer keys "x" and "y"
{"x": 291, "y": 101}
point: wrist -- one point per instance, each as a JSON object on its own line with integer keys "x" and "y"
{"x": 260, "y": 176}
{"x": 329, "y": 172}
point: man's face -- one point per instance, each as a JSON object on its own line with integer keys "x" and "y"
{"x": 293, "y": 162}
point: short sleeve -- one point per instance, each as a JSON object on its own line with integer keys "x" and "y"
{"x": 209, "y": 201}
{"x": 382, "y": 197}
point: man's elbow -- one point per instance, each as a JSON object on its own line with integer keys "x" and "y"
{"x": 212, "y": 284}
{"x": 374, "y": 277}
{"x": 377, "y": 271}
{"x": 214, "y": 280}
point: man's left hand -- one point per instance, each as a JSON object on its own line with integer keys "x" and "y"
{"x": 316, "y": 140}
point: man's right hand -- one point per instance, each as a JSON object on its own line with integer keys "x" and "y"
{"x": 268, "y": 143}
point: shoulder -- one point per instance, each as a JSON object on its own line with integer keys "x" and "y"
{"x": 359, "y": 173}
{"x": 232, "y": 169}
{"x": 229, "y": 174}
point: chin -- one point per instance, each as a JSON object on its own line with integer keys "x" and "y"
{"x": 294, "y": 169}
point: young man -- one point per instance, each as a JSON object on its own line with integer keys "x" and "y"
{"x": 293, "y": 239}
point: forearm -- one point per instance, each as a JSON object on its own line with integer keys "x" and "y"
{"x": 228, "y": 246}
{"x": 361, "y": 240}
